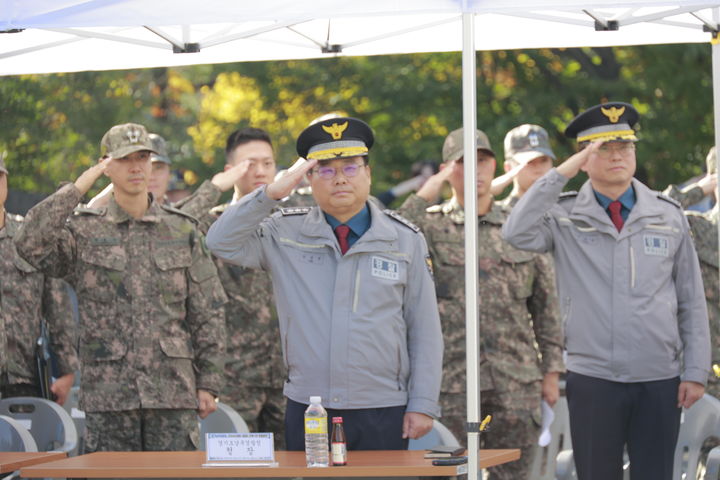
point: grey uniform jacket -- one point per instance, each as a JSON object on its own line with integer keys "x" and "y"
{"x": 361, "y": 330}
{"x": 632, "y": 301}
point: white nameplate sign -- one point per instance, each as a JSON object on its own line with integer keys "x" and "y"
{"x": 239, "y": 449}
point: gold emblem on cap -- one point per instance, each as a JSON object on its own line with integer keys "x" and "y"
{"x": 336, "y": 130}
{"x": 133, "y": 135}
{"x": 613, "y": 113}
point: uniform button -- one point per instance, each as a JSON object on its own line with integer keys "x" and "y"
{"x": 336, "y": 399}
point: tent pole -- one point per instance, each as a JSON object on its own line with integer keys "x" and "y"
{"x": 716, "y": 108}
{"x": 471, "y": 231}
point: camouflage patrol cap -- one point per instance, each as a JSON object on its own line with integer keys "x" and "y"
{"x": 161, "y": 154}
{"x": 711, "y": 161}
{"x": 2, "y": 162}
{"x": 453, "y": 146}
{"x": 526, "y": 143}
{"x": 122, "y": 140}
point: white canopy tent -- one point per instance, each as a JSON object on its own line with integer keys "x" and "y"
{"x": 77, "y": 35}
{"x": 42, "y": 36}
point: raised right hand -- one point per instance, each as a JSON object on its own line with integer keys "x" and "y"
{"x": 88, "y": 178}
{"x": 571, "y": 167}
{"x": 283, "y": 186}
{"x": 430, "y": 191}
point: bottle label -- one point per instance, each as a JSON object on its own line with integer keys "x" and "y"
{"x": 339, "y": 453}
{"x": 316, "y": 425}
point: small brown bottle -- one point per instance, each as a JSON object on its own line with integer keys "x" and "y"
{"x": 338, "y": 443}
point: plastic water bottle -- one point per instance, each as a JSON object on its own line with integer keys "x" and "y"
{"x": 316, "y": 434}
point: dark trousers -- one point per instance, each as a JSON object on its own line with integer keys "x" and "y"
{"x": 606, "y": 416}
{"x": 365, "y": 428}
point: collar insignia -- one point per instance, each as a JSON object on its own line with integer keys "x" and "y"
{"x": 336, "y": 130}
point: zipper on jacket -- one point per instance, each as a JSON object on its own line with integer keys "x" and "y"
{"x": 399, "y": 368}
{"x": 356, "y": 297}
{"x": 287, "y": 358}
{"x": 632, "y": 267}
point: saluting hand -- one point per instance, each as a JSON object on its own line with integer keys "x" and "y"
{"x": 572, "y": 166}
{"x": 88, "y": 178}
{"x": 225, "y": 180}
{"x": 430, "y": 191}
{"x": 283, "y": 186}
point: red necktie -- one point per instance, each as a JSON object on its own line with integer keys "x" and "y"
{"x": 342, "y": 232}
{"x": 615, "y": 216}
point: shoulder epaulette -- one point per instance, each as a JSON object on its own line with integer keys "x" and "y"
{"x": 177, "y": 211}
{"x": 84, "y": 210}
{"x": 399, "y": 218}
{"x": 295, "y": 210}
{"x": 570, "y": 194}
{"x": 662, "y": 196}
{"x": 434, "y": 209}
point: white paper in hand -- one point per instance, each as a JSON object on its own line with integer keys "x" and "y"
{"x": 547, "y": 418}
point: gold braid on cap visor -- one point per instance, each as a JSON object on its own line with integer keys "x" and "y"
{"x": 327, "y": 151}
{"x": 607, "y": 133}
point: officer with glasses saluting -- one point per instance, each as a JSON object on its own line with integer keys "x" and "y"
{"x": 354, "y": 292}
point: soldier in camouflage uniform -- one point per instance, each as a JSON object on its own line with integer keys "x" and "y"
{"x": 254, "y": 367}
{"x": 704, "y": 227}
{"x": 26, "y": 297}
{"x": 520, "y": 332}
{"x": 151, "y": 305}
{"x": 528, "y": 156}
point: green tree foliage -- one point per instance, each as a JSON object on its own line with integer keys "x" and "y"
{"x": 52, "y": 124}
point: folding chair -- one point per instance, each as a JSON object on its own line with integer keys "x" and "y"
{"x": 50, "y": 425}
{"x": 14, "y": 437}
{"x": 222, "y": 420}
{"x": 545, "y": 458}
{"x": 439, "y": 435}
{"x": 699, "y": 423}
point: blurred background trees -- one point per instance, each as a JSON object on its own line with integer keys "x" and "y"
{"x": 51, "y": 125}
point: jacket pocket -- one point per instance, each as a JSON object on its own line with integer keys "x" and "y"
{"x": 101, "y": 273}
{"x": 172, "y": 265}
{"x": 176, "y": 347}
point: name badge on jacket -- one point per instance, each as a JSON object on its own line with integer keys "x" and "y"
{"x": 383, "y": 268}
{"x": 656, "y": 245}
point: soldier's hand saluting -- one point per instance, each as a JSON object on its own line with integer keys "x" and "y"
{"x": 88, "y": 178}
{"x": 284, "y": 186}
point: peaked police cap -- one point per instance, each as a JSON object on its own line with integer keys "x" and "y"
{"x": 607, "y": 122}
{"x": 341, "y": 137}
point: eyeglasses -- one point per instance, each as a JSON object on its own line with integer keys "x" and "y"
{"x": 328, "y": 173}
{"x": 607, "y": 149}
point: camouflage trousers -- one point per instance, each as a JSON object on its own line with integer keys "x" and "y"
{"x": 142, "y": 430}
{"x": 262, "y": 408}
{"x": 516, "y": 419}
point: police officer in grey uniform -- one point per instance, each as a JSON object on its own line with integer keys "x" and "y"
{"x": 358, "y": 316}
{"x": 631, "y": 295}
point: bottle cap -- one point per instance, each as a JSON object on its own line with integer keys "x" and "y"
{"x": 337, "y": 420}
{"x": 316, "y": 399}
